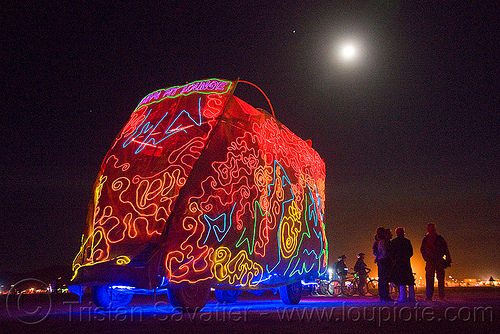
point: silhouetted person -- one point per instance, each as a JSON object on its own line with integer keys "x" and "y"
{"x": 388, "y": 234}
{"x": 437, "y": 257}
{"x": 362, "y": 270}
{"x": 381, "y": 249}
{"x": 402, "y": 274}
{"x": 340, "y": 269}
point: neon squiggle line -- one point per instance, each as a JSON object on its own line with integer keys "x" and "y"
{"x": 239, "y": 269}
{"x": 216, "y": 228}
{"x": 306, "y": 251}
{"x": 144, "y": 128}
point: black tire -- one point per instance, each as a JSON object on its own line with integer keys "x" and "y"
{"x": 372, "y": 287}
{"x": 323, "y": 289}
{"x": 290, "y": 294}
{"x": 190, "y": 298}
{"x": 107, "y": 298}
{"x": 227, "y": 296}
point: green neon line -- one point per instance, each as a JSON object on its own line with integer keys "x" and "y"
{"x": 240, "y": 242}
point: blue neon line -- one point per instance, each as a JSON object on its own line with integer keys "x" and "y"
{"x": 146, "y": 128}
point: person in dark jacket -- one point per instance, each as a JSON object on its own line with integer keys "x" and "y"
{"x": 437, "y": 257}
{"x": 402, "y": 274}
{"x": 340, "y": 268}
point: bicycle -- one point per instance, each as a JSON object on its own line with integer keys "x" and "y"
{"x": 352, "y": 285}
{"x": 370, "y": 287}
{"x": 336, "y": 288}
{"x": 339, "y": 289}
{"x": 322, "y": 288}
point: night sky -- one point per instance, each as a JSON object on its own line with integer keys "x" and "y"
{"x": 410, "y": 132}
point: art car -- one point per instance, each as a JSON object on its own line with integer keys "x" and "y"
{"x": 201, "y": 191}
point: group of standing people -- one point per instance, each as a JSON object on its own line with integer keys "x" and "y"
{"x": 392, "y": 257}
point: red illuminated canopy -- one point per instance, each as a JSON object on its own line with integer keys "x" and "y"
{"x": 201, "y": 186}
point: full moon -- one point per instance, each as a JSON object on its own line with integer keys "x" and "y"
{"x": 349, "y": 52}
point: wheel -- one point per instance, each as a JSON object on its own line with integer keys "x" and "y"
{"x": 190, "y": 298}
{"x": 227, "y": 296}
{"x": 335, "y": 287}
{"x": 372, "y": 287}
{"x": 107, "y": 298}
{"x": 331, "y": 288}
{"x": 323, "y": 288}
{"x": 257, "y": 292}
{"x": 290, "y": 294}
{"x": 351, "y": 287}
